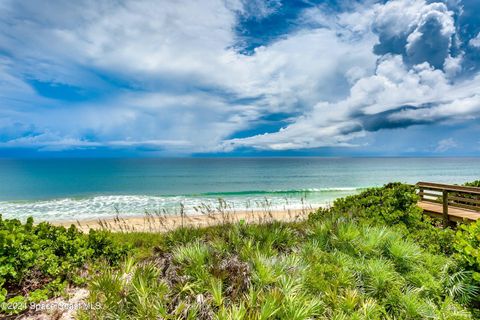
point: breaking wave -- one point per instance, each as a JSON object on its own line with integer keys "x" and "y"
{"x": 109, "y": 205}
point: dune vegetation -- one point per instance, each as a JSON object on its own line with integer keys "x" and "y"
{"x": 370, "y": 256}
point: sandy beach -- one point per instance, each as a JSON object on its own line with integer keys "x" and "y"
{"x": 162, "y": 223}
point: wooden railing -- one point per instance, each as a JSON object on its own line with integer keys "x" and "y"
{"x": 450, "y": 196}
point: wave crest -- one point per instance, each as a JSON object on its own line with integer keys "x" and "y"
{"x": 110, "y": 205}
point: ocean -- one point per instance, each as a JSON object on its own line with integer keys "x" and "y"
{"x": 70, "y": 189}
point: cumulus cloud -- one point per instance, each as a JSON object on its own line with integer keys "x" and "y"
{"x": 435, "y": 22}
{"x": 167, "y": 75}
{"x": 412, "y": 83}
{"x": 394, "y": 97}
{"x": 475, "y": 42}
{"x": 421, "y": 32}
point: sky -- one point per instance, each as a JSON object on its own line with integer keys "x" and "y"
{"x": 239, "y": 78}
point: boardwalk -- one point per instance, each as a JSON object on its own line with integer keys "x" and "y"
{"x": 455, "y": 214}
{"x": 453, "y": 203}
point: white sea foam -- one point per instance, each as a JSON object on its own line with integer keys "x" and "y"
{"x": 331, "y": 189}
{"x": 105, "y": 206}
{"x": 134, "y": 205}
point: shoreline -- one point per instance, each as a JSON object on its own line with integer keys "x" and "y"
{"x": 69, "y": 210}
{"x": 163, "y": 223}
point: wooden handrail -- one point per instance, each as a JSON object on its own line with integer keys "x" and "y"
{"x": 448, "y": 187}
{"x": 449, "y": 196}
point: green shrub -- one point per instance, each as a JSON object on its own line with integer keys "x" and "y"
{"x": 475, "y": 183}
{"x": 467, "y": 246}
{"x": 395, "y": 205}
{"x": 35, "y": 258}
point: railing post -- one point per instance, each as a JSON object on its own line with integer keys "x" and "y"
{"x": 420, "y": 192}
{"x": 445, "y": 206}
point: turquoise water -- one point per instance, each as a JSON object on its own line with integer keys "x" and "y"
{"x": 57, "y": 189}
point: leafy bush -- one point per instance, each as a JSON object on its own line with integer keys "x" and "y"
{"x": 394, "y": 204}
{"x": 467, "y": 246}
{"x": 37, "y": 260}
{"x": 475, "y": 183}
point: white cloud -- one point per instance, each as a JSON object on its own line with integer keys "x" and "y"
{"x": 421, "y": 31}
{"x": 185, "y": 87}
{"x": 183, "y": 47}
{"x": 48, "y": 141}
{"x": 475, "y": 42}
{"x": 259, "y": 9}
{"x": 445, "y": 145}
{"x": 430, "y": 94}
{"x": 330, "y": 124}
{"x": 465, "y": 108}
{"x": 392, "y": 86}
{"x": 419, "y": 46}
{"x": 397, "y": 18}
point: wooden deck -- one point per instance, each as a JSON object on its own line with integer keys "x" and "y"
{"x": 452, "y": 202}
{"x": 455, "y": 214}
